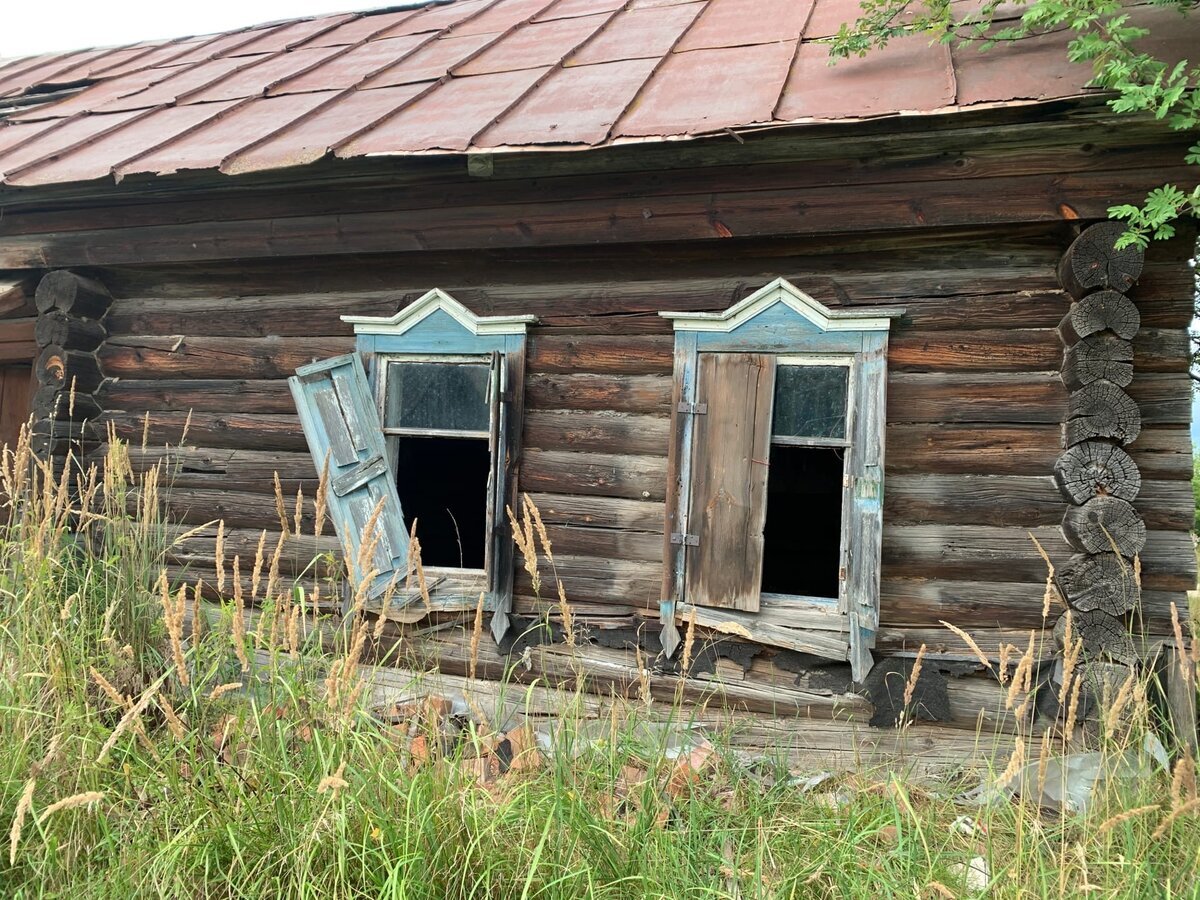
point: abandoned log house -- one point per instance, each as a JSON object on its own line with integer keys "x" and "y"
{"x": 805, "y": 360}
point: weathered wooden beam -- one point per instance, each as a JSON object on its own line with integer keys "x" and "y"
{"x": 1097, "y": 312}
{"x": 1102, "y": 410}
{"x": 1092, "y": 261}
{"x": 1105, "y": 524}
{"x": 1097, "y": 468}
{"x": 73, "y": 294}
{"x": 1102, "y": 581}
{"x": 57, "y": 328}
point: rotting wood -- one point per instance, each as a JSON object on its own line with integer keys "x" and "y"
{"x": 826, "y": 644}
{"x": 61, "y": 369}
{"x": 1101, "y": 581}
{"x": 1102, "y": 635}
{"x": 1097, "y": 468}
{"x": 1097, "y": 312}
{"x": 1102, "y": 410}
{"x": 1092, "y": 261}
{"x": 1096, "y": 357}
{"x": 1179, "y": 671}
{"x": 1103, "y": 524}
{"x": 73, "y": 294}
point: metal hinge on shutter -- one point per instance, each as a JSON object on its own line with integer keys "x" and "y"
{"x": 692, "y": 409}
{"x": 688, "y": 540}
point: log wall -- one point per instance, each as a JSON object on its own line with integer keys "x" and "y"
{"x": 220, "y": 292}
{"x": 975, "y": 408}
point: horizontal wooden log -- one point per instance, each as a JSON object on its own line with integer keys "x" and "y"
{"x": 179, "y": 356}
{"x": 1161, "y": 350}
{"x": 1023, "y": 501}
{"x": 1092, "y": 261}
{"x": 68, "y": 370}
{"x": 1001, "y": 398}
{"x": 1098, "y": 312}
{"x": 604, "y": 432}
{"x": 1002, "y": 350}
{"x": 219, "y": 468}
{"x": 16, "y": 294}
{"x": 985, "y": 311}
{"x": 636, "y": 355}
{"x": 196, "y": 547}
{"x": 1163, "y": 453}
{"x": 67, "y": 331}
{"x": 1102, "y": 410}
{"x": 200, "y": 395}
{"x": 648, "y": 394}
{"x": 17, "y": 340}
{"x": 73, "y": 294}
{"x": 231, "y": 430}
{"x": 607, "y": 542}
{"x": 1098, "y": 356}
{"x": 1105, "y": 524}
{"x": 238, "y": 509}
{"x": 600, "y": 512}
{"x": 924, "y": 602}
{"x": 990, "y": 553}
{"x": 1097, "y": 468}
{"x": 599, "y": 474}
{"x": 633, "y": 583}
{"x": 693, "y": 215}
{"x": 1162, "y": 399}
{"x": 968, "y": 449}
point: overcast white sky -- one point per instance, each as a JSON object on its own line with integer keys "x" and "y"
{"x": 36, "y": 27}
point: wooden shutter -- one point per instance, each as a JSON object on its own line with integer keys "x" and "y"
{"x": 340, "y": 422}
{"x": 495, "y": 492}
{"x": 730, "y": 462}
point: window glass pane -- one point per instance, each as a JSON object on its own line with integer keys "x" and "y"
{"x": 445, "y": 396}
{"x": 810, "y": 401}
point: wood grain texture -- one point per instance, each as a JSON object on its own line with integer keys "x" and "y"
{"x": 728, "y": 505}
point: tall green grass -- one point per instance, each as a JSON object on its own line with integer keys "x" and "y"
{"x": 289, "y": 787}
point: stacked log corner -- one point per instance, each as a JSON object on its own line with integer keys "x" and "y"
{"x": 69, "y": 330}
{"x": 1095, "y": 474}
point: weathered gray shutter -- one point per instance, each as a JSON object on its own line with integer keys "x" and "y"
{"x": 730, "y": 461}
{"x": 340, "y": 422}
{"x": 495, "y": 496}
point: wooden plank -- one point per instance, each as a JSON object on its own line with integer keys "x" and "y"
{"x": 826, "y": 644}
{"x": 16, "y": 294}
{"x": 767, "y": 211}
{"x": 598, "y": 579}
{"x": 199, "y": 394}
{"x": 600, "y": 512}
{"x": 1001, "y": 350}
{"x": 996, "y": 553}
{"x": 1023, "y": 501}
{"x": 924, "y": 602}
{"x": 16, "y": 392}
{"x": 608, "y": 542}
{"x": 648, "y": 394}
{"x": 956, "y": 448}
{"x": 727, "y": 510}
{"x": 595, "y": 474}
{"x": 601, "y": 431}
{"x": 17, "y": 342}
{"x": 179, "y": 356}
{"x": 1035, "y": 398}
{"x": 229, "y": 430}
{"x": 223, "y": 468}
{"x": 618, "y": 355}
{"x": 1180, "y": 674}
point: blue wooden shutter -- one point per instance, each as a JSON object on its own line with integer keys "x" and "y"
{"x": 340, "y": 422}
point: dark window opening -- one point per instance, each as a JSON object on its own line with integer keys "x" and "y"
{"x": 442, "y": 484}
{"x": 802, "y": 538}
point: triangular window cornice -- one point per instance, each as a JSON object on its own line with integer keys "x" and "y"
{"x": 432, "y": 302}
{"x": 782, "y": 291}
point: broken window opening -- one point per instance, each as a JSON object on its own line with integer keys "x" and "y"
{"x": 802, "y": 538}
{"x": 437, "y": 415}
{"x": 442, "y": 483}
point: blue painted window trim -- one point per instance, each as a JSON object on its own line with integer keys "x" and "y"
{"x": 438, "y": 325}
{"x": 782, "y": 320}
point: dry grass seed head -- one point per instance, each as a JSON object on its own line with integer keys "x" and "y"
{"x": 1015, "y": 762}
{"x": 689, "y": 643}
{"x": 1181, "y": 655}
{"x": 568, "y": 614}
{"x": 1176, "y": 814}
{"x": 335, "y": 782}
{"x": 18, "y": 823}
{"x": 280, "y": 505}
{"x": 1113, "y": 719}
{"x": 259, "y": 558}
{"x": 298, "y": 510}
{"x": 321, "y": 503}
{"x": 87, "y": 798}
{"x": 220, "y": 557}
{"x": 223, "y": 689}
{"x": 1109, "y": 824}
{"x": 174, "y": 722}
{"x": 914, "y": 676}
{"x": 476, "y": 635}
{"x": 536, "y": 514}
{"x": 1183, "y": 782}
{"x": 970, "y": 642}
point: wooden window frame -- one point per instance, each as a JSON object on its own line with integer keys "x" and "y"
{"x": 783, "y": 321}
{"x": 437, "y": 328}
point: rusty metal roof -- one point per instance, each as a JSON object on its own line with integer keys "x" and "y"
{"x": 494, "y": 75}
